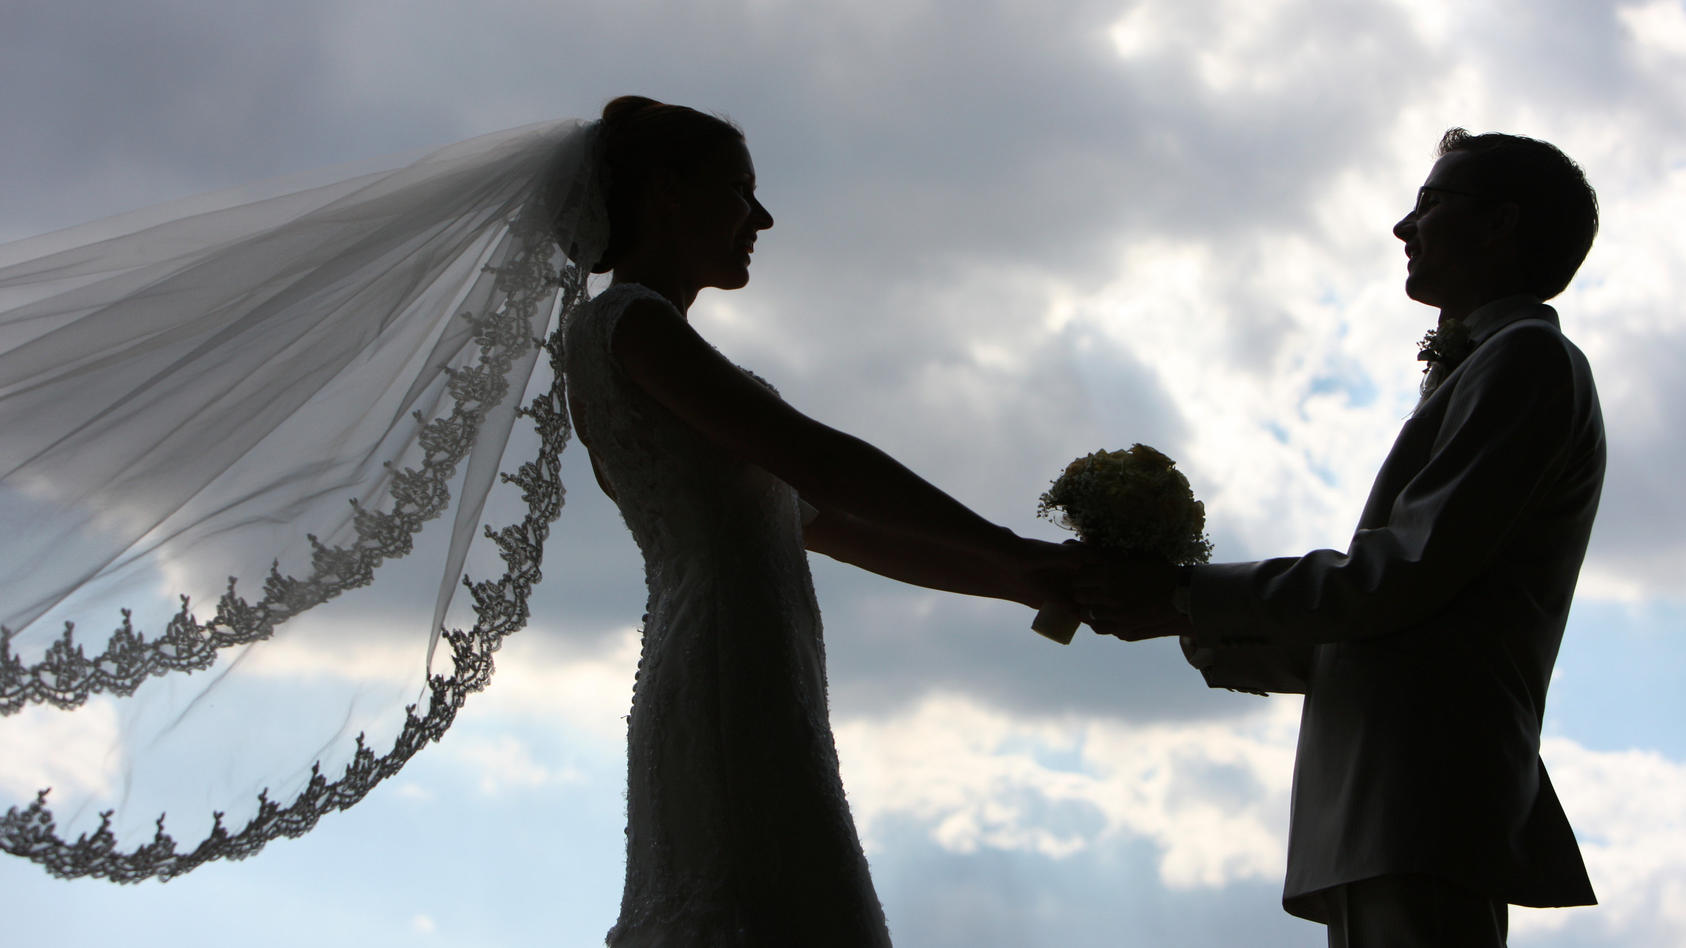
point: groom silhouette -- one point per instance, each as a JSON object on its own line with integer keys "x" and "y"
{"x": 1421, "y": 809}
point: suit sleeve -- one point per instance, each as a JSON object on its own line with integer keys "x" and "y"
{"x": 1498, "y": 447}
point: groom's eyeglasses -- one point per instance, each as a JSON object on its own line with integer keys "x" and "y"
{"x": 1426, "y": 199}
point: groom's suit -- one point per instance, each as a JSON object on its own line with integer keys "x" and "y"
{"x": 1425, "y": 650}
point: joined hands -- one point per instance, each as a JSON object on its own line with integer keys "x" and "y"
{"x": 1125, "y": 597}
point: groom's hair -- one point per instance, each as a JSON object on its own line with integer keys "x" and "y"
{"x": 1557, "y": 211}
{"x": 639, "y": 137}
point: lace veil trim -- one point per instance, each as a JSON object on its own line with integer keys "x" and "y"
{"x": 410, "y": 250}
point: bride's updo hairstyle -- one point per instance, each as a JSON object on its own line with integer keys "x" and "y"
{"x": 639, "y": 137}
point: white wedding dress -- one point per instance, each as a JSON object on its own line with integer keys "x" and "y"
{"x": 738, "y": 832}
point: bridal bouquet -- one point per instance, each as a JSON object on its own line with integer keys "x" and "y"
{"x": 1134, "y": 502}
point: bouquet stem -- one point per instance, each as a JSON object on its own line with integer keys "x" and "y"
{"x": 1056, "y": 622}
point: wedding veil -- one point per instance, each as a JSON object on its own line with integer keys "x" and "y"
{"x": 220, "y": 414}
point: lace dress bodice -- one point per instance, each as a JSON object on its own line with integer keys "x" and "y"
{"x": 738, "y": 832}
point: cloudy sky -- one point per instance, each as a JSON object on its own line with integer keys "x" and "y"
{"x": 1008, "y": 234}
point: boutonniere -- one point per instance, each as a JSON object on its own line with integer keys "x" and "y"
{"x": 1445, "y": 346}
{"x": 1442, "y": 349}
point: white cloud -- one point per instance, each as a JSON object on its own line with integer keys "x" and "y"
{"x": 1136, "y": 32}
{"x": 543, "y": 672}
{"x": 505, "y": 763}
{"x": 423, "y": 925}
{"x": 546, "y": 676}
{"x": 1624, "y": 311}
{"x": 1430, "y": 20}
{"x": 68, "y": 751}
{"x": 414, "y": 791}
{"x": 1286, "y": 424}
{"x": 1246, "y": 51}
{"x": 1625, "y": 807}
{"x": 1658, "y": 27}
{"x": 1212, "y": 797}
{"x": 314, "y": 645}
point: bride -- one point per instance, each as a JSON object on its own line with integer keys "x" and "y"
{"x": 738, "y": 832}
{"x": 192, "y": 393}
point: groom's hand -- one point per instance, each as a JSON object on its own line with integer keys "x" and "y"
{"x": 1129, "y": 598}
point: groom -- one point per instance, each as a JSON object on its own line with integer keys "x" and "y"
{"x": 1421, "y": 809}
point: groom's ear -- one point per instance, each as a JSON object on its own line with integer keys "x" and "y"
{"x": 1501, "y": 235}
{"x": 1501, "y": 222}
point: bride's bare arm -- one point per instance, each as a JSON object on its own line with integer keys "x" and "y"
{"x": 836, "y": 472}
{"x": 1035, "y": 579}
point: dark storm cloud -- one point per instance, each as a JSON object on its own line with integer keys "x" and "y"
{"x": 1009, "y": 132}
{"x": 108, "y": 107}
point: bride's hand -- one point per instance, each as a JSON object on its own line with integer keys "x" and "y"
{"x": 1129, "y": 598}
{"x": 1043, "y": 572}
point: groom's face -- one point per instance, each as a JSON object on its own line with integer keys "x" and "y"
{"x": 1444, "y": 236}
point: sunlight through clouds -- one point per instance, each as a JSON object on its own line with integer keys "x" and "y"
{"x": 1253, "y": 455}
{"x": 1431, "y": 20}
{"x": 1140, "y": 30}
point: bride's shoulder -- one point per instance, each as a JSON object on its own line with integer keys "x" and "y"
{"x": 606, "y": 308}
{"x": 593, "y": 331}
{"x": 619, "y": 296}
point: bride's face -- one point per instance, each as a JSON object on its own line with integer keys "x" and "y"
{"x": 717, "y": 218}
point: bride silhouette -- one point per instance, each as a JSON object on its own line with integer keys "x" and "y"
{"x": 738, "y": 830}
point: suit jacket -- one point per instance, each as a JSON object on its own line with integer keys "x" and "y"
{"x": 1424, "y": 650}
